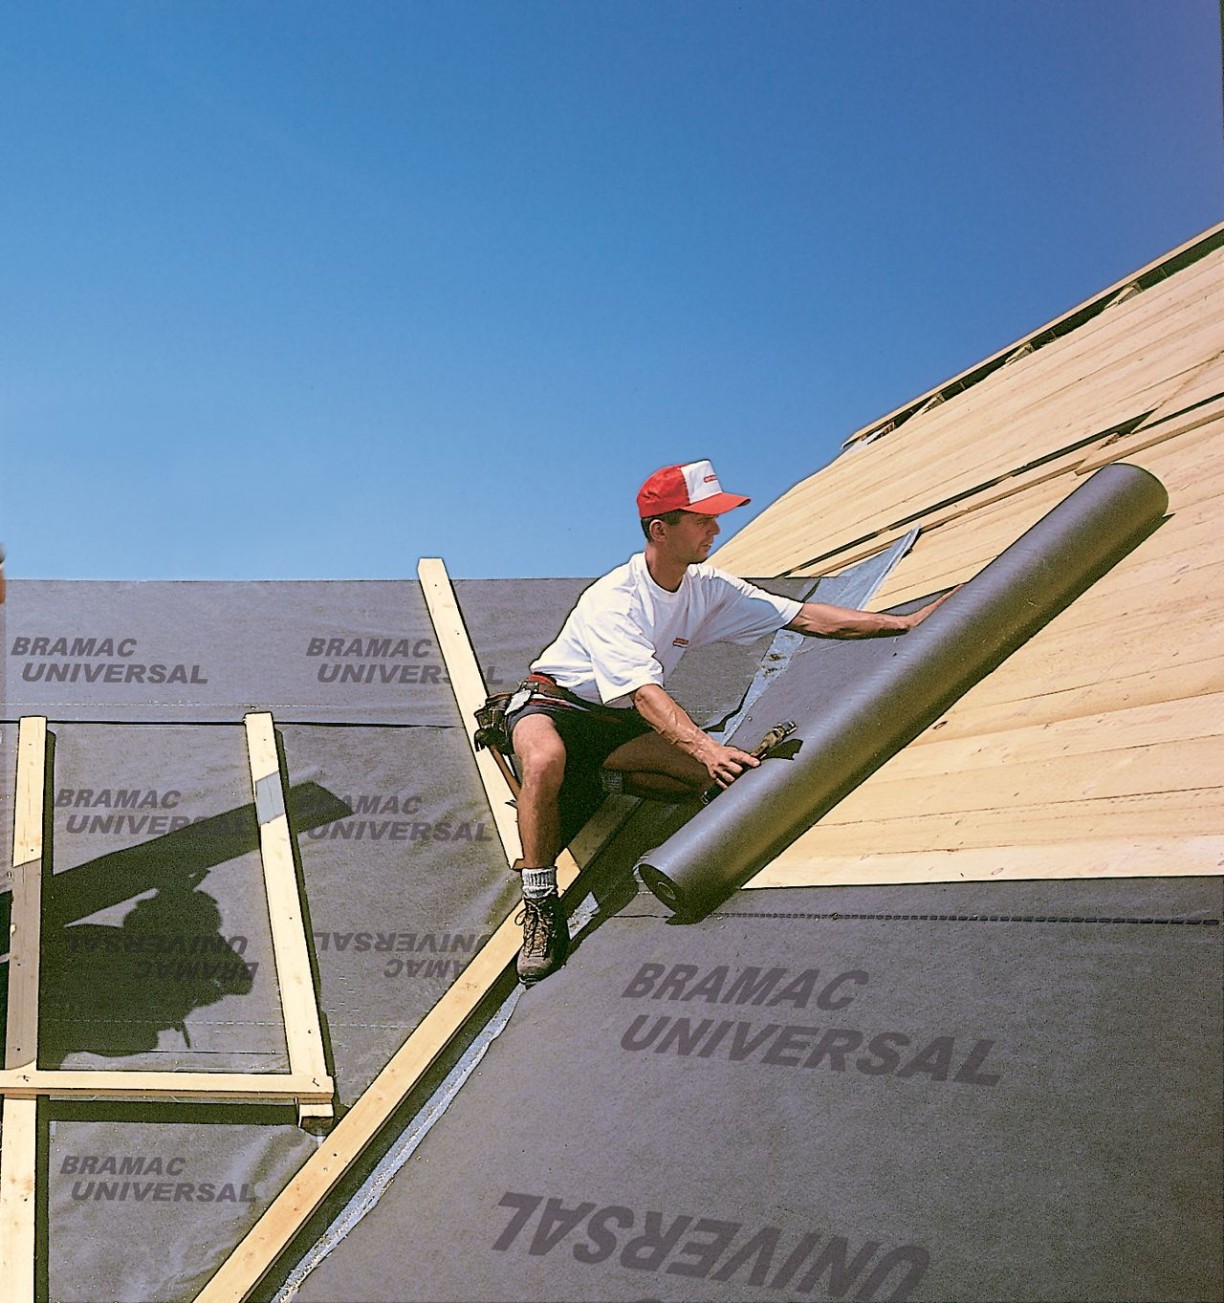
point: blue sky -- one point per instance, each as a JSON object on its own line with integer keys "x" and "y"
{"x": 311, "y": 290}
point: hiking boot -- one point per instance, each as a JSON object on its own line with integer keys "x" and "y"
{"x": 545, "y": 938}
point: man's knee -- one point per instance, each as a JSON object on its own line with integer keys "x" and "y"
{"x": 540, "y": 752}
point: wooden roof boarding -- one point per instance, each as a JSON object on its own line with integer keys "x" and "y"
{"x": 1097, "y": 749}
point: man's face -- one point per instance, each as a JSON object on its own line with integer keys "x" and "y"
{"x": 691, "y": 537}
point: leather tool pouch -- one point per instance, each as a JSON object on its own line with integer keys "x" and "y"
{"x": 491, "y": 724}
{"x": 491, "y": 719}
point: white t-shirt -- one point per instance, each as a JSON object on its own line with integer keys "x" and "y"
{"x": 627, "y": 631}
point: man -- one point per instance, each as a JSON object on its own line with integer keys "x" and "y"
{"x": 595, "y": 699}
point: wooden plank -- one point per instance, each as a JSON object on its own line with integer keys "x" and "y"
{"x": 468, "y": 685}
{"x": 1157, "y": 724}
{"x": 1147, "y": 436}
{"x": 226, "y": 1087}
{"x": 966, "y": 548}
{"x": 25, "y": 926}
{"x": 18, "y": 1199}
{"x": 1165, "y": 814}
{"x": 1067, "y": 656}
{"x": 1150, "y": 857}
{"x": 19, "y": 1146}
{"x": 290, "y": 952}
{"x": 1204, "y": 384}
{"x": 1208, "y": 265}
{"x": 29, "y": 796}
{"x": 897, "y": 789}
{"x": 1191, "y": 468}
{"x": 1038, "y": 684}
{"x": 997, "y": 704}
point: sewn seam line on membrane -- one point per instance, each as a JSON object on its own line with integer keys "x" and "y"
{"x": 983, "y": 918}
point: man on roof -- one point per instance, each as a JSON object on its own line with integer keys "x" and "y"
{"x": 595, "y": 706}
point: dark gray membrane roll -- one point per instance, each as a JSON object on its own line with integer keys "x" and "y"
{"x": 905, "y": 685}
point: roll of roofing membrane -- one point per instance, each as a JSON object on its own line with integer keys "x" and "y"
{"x": 906, "y": 683}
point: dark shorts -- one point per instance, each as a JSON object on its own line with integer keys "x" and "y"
{"x": 590, "y": 737}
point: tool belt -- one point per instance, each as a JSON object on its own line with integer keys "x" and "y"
{"x": 491, "y": 724}
{"x": 491, "y": 717}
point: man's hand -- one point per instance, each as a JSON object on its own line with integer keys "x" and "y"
{"x": 915, "y": 618}
{"x": 725, "y": 764}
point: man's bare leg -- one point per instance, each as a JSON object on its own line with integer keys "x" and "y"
{"x": 541, "y": 764}
{"x": 653, "y": 765}
{"x": 541, "y": 761}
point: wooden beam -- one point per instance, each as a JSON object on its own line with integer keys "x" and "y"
{"x": 21, "y": 1038}
{"x": 18, "y": 1199}
{"x": 19, "y": 1151}
{"x": 468, "y": 685}
{"x": 226, "y": 1087}
{"x": 1139, "y": 856}
{"x": 291, "y": 955}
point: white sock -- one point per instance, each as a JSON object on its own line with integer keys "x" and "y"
{"x": 538, "y": 883}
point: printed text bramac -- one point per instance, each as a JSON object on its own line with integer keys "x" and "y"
{"x": 96, "y": 660}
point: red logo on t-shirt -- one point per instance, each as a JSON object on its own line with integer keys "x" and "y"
{"x": 680, "y": 642}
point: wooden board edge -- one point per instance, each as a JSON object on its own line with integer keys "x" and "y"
{"x": 236, "y": 1087}
{"x": 19, "y": 1199}
{"x": 290, "y": 949}
{"x": 25, "y": 923}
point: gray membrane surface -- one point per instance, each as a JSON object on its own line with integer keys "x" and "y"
{"x": 590, "y": 1155}
{"x": 403, "y": 890}
{"x": 156, "y": 946}
{"x": 818, "y": 1093}
{"x": 345, "y": 651}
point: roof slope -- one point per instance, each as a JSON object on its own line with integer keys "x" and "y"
{"x": 1096, "y": 749}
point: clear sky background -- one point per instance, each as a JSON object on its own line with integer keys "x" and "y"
{"x": 311, "y": 290}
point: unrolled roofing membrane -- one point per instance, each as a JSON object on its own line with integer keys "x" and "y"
{"x": 156, "y": 948}
{"x": 988, "y": 1091}
{"x": 856, "y": 703}
{"x": 872, "y": 1181}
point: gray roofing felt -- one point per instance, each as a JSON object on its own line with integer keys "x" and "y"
{"x": 1007, "y": 1091}
{"x": 811, "y": 1093}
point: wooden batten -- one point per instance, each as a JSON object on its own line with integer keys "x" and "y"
{"x": 294, "y": 978}
{"x": 468, "y": 685}
{"x": 25, "y": 926}
{"x": 19, "y": 1146}
{"x": 211, "y": 1087}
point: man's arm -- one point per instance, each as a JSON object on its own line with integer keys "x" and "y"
{"x": 820, "y": 620}
{"x": 663, "y": 714}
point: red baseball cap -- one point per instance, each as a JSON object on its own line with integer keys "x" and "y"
{"x": 691, "y": 487}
